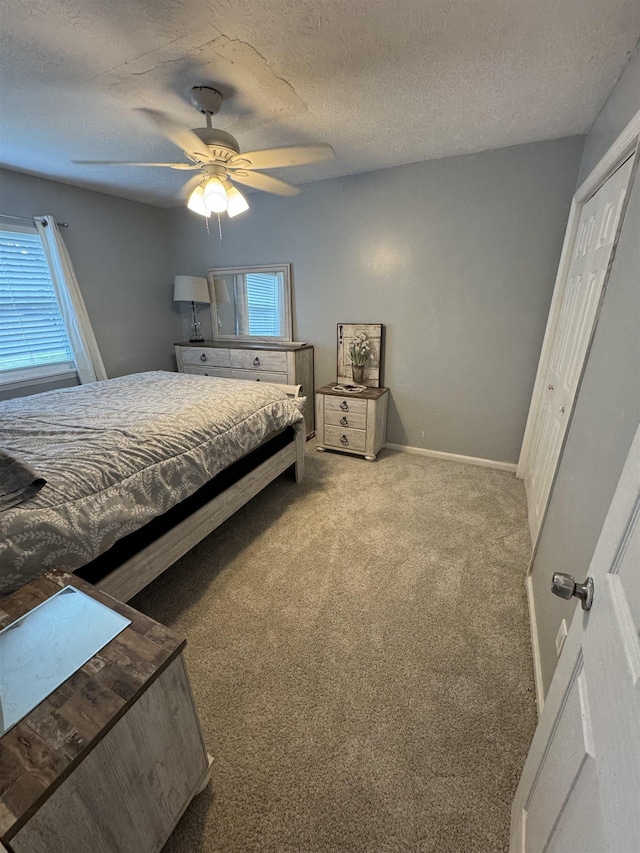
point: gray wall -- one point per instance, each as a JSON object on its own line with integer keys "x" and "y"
{"x": 608, "y": 406}
{"x": 457, "y": 257}
{"x": 121, "y": 257}
{"x": 621, "y": 105}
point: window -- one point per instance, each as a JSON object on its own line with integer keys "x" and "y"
{"x": 33, "y": 339}
{"x": 263, "y": 303}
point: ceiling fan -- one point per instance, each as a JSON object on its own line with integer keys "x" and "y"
{"x": 216, "y": 155}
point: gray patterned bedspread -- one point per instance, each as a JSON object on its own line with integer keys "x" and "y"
{"x": 116, "y": 454}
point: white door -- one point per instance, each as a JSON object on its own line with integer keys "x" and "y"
{"x": 595, "y": 238}
{"x": 580, "y": 788}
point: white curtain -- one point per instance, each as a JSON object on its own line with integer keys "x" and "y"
{"x": 74, "y": 313}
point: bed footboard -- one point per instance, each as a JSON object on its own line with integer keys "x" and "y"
{"x": 137, "y": 572}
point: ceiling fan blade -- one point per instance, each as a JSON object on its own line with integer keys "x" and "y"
{"x": 179, "y": 135}
{"x": 182, "y": 166}
{"x": 264, "y": 182}
{"x": 186, "y": 190}
{"x": 278, "y": 158}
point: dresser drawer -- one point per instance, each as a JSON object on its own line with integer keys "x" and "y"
{"x": 343, "y": 404}
{"x": 346, "y": 439}
{"x": 259, "y": 360}
{"x": 209, "y": 356}
{"x": 220, "y": 372}
{"x": 260, "y": 376}
{"x": 336, "y": 417}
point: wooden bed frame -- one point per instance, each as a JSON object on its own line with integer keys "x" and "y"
{"x": 133, "y": 575}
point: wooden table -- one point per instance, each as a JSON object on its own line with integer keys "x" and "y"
{"x": 111, "y": 759}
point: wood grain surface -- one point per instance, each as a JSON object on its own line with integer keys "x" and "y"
{"x": 43, "y": 749}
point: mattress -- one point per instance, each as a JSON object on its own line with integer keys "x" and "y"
{"x": 118, "y": 453}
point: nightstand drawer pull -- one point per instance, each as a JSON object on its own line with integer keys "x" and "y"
{"x": 256, "y": 362}
{"x": 203, "y": 357}
{"x": 344, "y": 421}
{"x": 344, "y": 406}
{"x": 344, "y": 440}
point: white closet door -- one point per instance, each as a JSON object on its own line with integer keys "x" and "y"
{"x": 596, "y": 234}
{"x": 580, "y": 787}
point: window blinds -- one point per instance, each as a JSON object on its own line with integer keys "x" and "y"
{"x": 31, "y": 329}
{"x": 262, "y": 301}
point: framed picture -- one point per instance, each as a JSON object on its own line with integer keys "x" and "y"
{"x": 365, "y": 341}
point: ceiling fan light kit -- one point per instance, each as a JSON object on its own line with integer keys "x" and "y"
{"x": 237, "y": 202}
{"x": 215, "y": 196}
{"x": 196, "y": 202}
{"x": 217, "y": 155}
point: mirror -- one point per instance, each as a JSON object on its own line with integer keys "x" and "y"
{"x": 251, "y": 303}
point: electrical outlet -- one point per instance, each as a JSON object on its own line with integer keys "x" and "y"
{"x": 561, "y": 636}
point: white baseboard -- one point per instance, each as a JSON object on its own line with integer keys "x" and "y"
{"x": 535, "y": 647}
{"x": 455, "y": 457}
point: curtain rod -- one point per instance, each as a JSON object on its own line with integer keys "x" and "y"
{"x": 31, "y": 219}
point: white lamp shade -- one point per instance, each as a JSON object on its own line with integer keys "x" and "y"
{"x": 196, "y": 202}
{"x": 237, "y": 202}
{"x": 190, "y": 288}
{"x": 215, "y": 195}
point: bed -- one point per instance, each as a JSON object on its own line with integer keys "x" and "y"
{"x": 125, "y": 456}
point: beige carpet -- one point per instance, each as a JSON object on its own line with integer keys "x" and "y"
{"x": 359, "y": 653}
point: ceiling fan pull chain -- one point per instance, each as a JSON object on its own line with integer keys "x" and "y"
{"x": 220, "y": 228}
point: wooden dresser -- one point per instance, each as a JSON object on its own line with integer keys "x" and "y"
{"x": 352, "y": 423}
{"x": 110, "y": 759}
{"x": 281, "y": 364}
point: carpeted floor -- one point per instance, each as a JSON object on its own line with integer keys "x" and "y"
{"x": 359, "y": 653}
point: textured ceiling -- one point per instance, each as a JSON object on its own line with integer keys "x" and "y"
{"x": 384, "y": 81}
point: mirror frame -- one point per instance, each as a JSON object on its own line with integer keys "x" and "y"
{"x": 285, "y": 269}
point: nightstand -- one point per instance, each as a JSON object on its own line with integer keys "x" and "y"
{"x": 352, "y": 423}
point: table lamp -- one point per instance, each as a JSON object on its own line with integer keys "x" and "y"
{"x": 191, "y": 288}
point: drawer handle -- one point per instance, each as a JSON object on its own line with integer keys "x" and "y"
{"x": 257, "y": 380}
{"x": 256, "y": 362}
{"x": 344, "y": 440}
{"x": 344, "y": 421}
{"x": 203, "y": 357}
{"x": 344, "y": 406}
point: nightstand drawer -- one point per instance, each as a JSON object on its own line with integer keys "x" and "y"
{"x": 336, "y": 417}
{"x": 259, "y": 360}
{"x": 346, "y": 439}
{"x": 260, "y": 376}
{"x": 220, "y": 372}
{"x": 200, "y": 356}
{"x": 343, "y": 404}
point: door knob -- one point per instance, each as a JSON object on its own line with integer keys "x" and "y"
{"x": 565, "y": 586}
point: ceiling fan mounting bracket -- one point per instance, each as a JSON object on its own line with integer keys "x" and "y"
{"x": 217, "y": 139}
{"x": 206, "y": 99}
